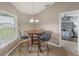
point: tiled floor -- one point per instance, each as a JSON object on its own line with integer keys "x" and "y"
{"x": 53, "y": 51}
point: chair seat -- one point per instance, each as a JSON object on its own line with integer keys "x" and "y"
{"x": 24, "y": 37}
{"x": 45, "y": 36}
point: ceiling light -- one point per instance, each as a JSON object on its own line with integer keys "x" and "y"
{"x": 36, "y": 20}
{"x": 31, "y": 21}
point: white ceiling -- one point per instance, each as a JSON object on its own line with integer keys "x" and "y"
{"x": 31, "y": 8}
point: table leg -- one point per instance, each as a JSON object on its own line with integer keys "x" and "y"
{"x": 39, "y": 46}
{"x": 30, "y": 48}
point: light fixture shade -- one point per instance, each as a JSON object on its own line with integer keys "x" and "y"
{"x": 31, "y": 21}
{"x": 36, "y": 20}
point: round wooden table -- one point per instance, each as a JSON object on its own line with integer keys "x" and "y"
{"x": 34, "y": 35}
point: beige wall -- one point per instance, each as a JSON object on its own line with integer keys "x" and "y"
{"x": 49, "y": 18}
{"x": 20, "y": 18}
{"x": 25, "y": 22}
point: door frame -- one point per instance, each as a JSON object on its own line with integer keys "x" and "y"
{"x": 60, "y": 15}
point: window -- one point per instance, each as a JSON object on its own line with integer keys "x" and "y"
{"x": 7, "y": 29}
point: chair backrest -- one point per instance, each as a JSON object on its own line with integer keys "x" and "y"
{"x": 22, "y": 36}
{"x": 46, "y": 36}
{"x": 19, "y": 33}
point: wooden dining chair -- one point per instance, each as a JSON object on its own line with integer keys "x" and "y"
{"x": 23, "y": 38}
{"x": 45, "y": 37}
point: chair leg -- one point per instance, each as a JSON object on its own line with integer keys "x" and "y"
{"x": 47, "y": 50}
{"x": 38, "y": 51}
{"x": 29, "y": 49}
{"x": 20, "y": 48}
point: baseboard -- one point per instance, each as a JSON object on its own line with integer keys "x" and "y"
{"x": 12, "y": 49}
{"x": 53, "y": 44}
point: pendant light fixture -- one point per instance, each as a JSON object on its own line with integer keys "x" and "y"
{"x": 33, "y": 19}
{"x": 36, "y": 20}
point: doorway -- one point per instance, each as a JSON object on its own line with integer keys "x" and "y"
{"x": 69, "y": 25}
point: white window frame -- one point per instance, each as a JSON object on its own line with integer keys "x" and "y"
{"x": 3, "y": 11}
